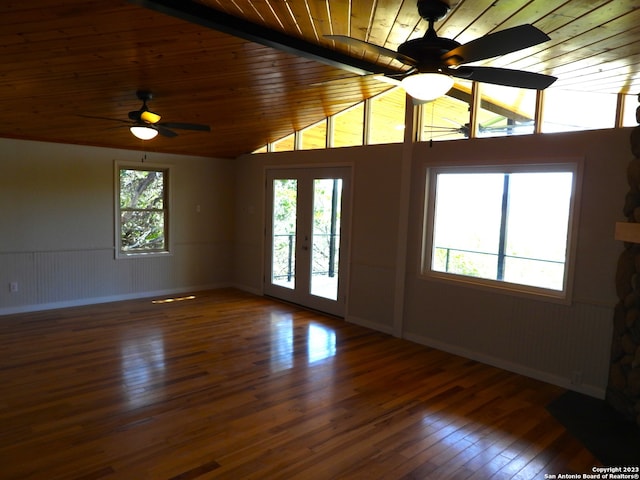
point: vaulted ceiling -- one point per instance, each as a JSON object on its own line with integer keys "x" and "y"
{"x": 255, "y": 70}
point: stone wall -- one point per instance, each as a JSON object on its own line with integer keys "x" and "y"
{"x": 623, "y": 391}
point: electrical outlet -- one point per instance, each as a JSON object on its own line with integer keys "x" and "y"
{"x": 13, "y": 287}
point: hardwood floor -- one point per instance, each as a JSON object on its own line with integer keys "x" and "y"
{"x": 234, "y": 386}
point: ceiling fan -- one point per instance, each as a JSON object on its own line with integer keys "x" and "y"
{"x": 488, "y": 127}
{"x": 145, "y": 124}
{"x": 433, "y": 61}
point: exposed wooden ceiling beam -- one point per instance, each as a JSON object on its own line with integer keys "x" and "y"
{"x": 208, "y": 17}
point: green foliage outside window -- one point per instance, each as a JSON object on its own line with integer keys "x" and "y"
{"x": 143, "y": 210}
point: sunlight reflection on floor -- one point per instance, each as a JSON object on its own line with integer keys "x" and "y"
{"x": 320, "y": 342}
{"x": 143, "y": 364}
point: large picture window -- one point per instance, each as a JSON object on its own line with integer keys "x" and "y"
{"x": 142, "y": 215}
{"x": 508, "y": 227}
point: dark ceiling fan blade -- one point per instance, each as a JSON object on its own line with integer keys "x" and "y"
{"x": 377, "y": 49}
{"x": 186, "y": 126}
{"x": 165, "y": 132}
{"x": 495, "y": 44}
{"x": 504, "y": 76}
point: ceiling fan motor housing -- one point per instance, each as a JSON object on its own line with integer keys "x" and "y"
{"x": 136, "y": 115}
{"x": 427, "y": 51}
{"x": 144, "y": 95}
{"x": 433, "y": 10}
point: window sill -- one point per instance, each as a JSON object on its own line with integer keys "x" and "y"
{"x": 125, "y": 255}
{"x": 499, "y": 288}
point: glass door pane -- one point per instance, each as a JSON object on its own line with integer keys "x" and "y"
{"x": 285, "y": 204}
{"x": 325, "y": 251}
{"x": 307, "y": 225}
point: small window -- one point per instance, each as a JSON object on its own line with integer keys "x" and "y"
{"x": 262, "y": 149}
{"x": 386, "y": 119}
{"x": 631, "y": 103}
{"x": 314, "y": 136}
{"x": 447, "y": 117}
{"x": 567, "y": 111}
{"x": 505, "y": 111}
{"x": 285, "y": 144}
{"x": 348, "y": 127}
{"x": 506, "y": 227}
{"x": 142, "y": 214}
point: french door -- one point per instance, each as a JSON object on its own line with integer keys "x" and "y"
{"x": 307, "y": 231}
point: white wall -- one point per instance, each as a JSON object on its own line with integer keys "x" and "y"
{"x": 57, "y": 226}
{"x": 549, "y": 341}
{"x": 374, "y": 223}
{"x": 57, "y": 241}
{"x": 545, "y": 340}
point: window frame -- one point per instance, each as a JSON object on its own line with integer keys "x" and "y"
{"x": 574, "y": 165}
{"x": 145, "y": 167}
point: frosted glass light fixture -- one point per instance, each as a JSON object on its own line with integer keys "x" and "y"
{"x": 427, "y": 86}
{"x": 142, "y": 132}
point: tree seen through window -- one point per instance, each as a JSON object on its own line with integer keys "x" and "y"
{"x": 143, "y": 210}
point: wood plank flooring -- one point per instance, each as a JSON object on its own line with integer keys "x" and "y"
{"x": 234, "y": 386}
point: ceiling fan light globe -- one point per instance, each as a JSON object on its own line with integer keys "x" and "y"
{"x": 427, "y": 86}
{"x": 142, "y": 132}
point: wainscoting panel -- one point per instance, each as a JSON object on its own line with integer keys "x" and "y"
{"x": 75, "y": 277}
{"x": 567, "y": 345}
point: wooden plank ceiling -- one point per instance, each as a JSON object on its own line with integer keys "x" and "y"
{"x": 64, "y": 60}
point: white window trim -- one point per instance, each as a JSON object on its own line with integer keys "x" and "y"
{"x": 575, "y": 165}
{"x": 119, "y": 254}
